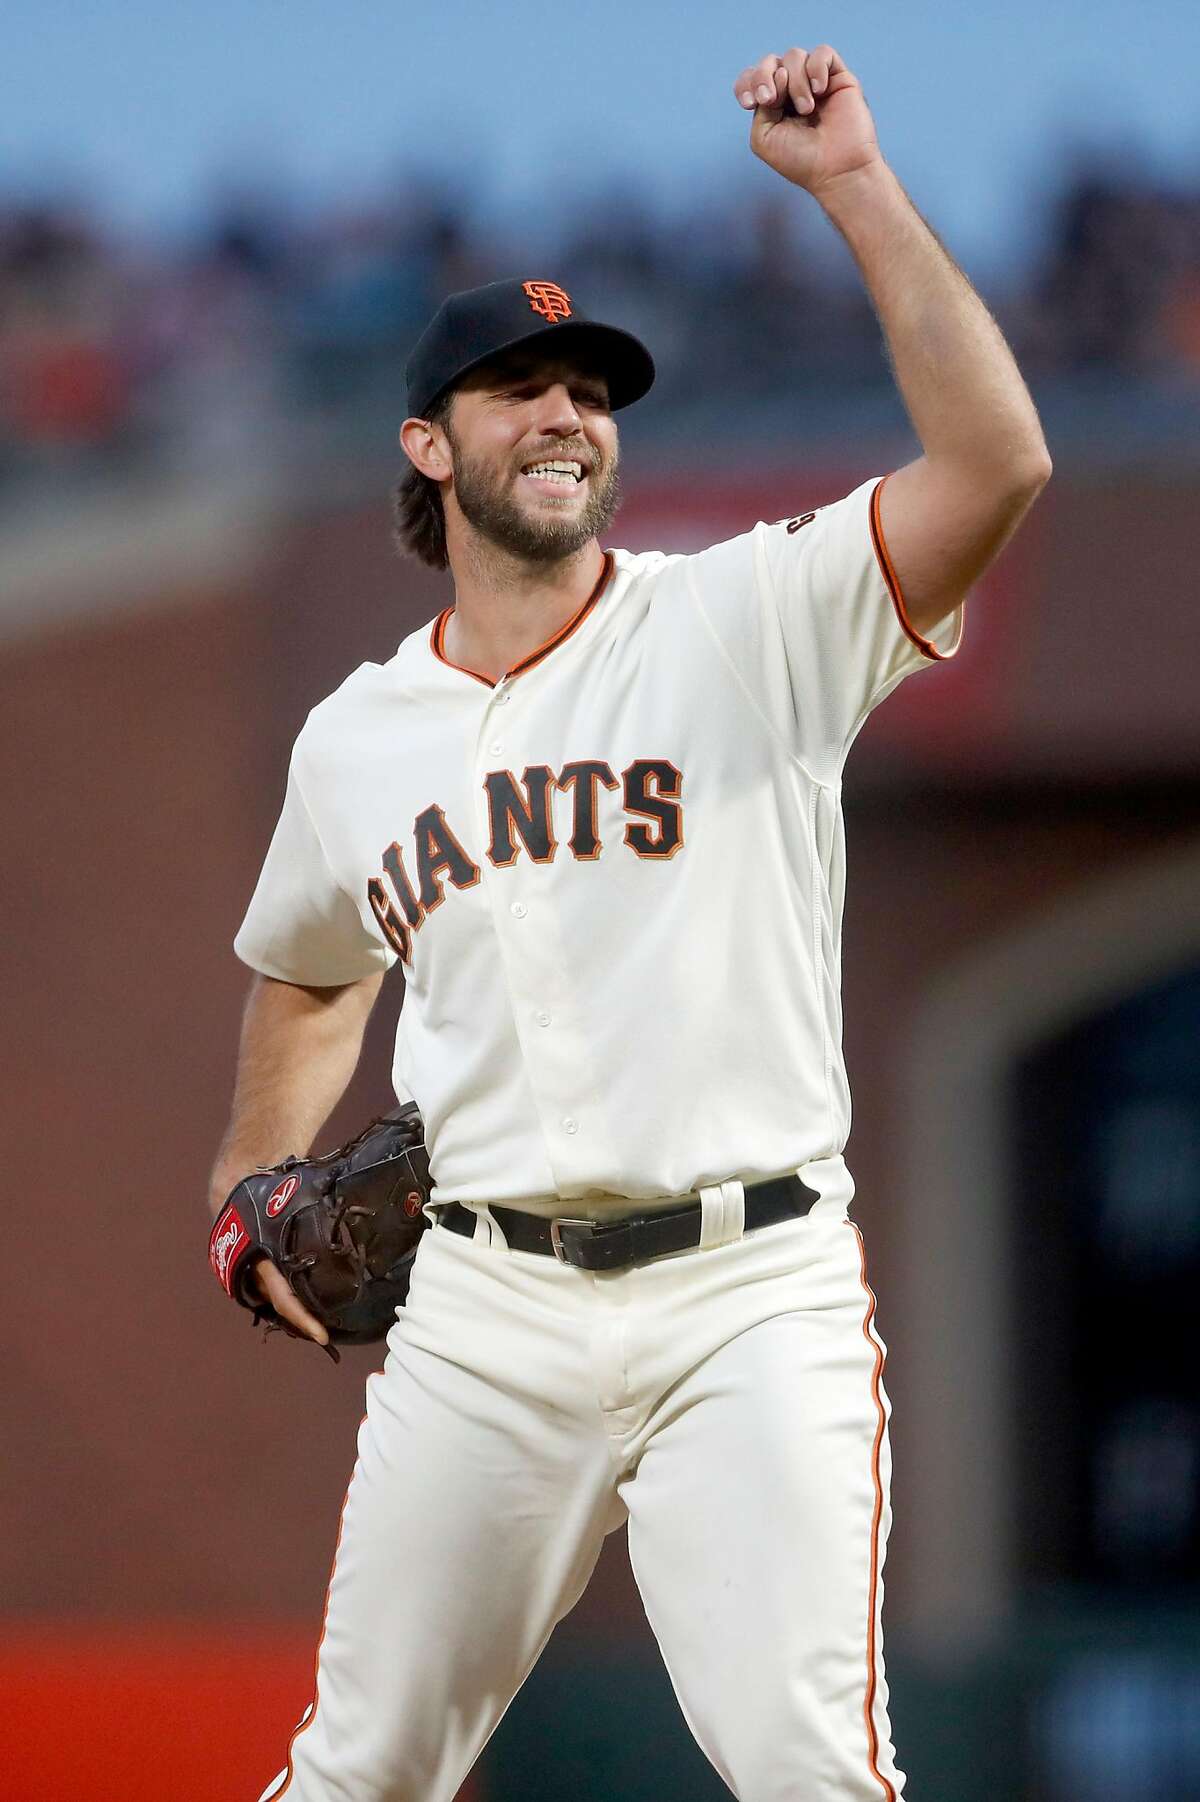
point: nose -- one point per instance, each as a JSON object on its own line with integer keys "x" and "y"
{"x": 556, "y": 414}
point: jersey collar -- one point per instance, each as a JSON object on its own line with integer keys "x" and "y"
{"x": 438, "y": 633}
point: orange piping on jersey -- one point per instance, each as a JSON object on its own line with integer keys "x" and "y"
{"x": 888, "y": 571}
{"x": 437, "y": 636}
{"x": 606, "y": 569}
{"x": 889, "y": 1789}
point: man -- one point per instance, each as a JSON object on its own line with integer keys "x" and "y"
{"x": 595, "y": 812}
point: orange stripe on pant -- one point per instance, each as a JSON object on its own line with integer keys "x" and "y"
{"x": 877, "y": 1516}
{"x": 310, "y": 1713}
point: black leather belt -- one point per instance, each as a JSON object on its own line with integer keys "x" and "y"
{"x": 636, "y": 1239}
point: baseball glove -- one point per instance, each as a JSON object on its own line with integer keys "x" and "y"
{"x": 343, "y": 1229}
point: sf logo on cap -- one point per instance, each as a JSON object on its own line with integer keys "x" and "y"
{"x": 548, "y": 299}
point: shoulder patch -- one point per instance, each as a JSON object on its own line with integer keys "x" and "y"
{"x": 794, "y": 525}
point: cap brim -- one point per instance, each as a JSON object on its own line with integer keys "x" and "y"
{"x": 622, "y": 359}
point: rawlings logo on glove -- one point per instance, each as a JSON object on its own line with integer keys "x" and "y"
{"x": 228, "y": 1237}
{"x": 279, "y": 1197}
{"x": 343, "y": 1229}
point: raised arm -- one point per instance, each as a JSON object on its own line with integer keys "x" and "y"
{"x": 299, "y": 1049}
{"x": 984, "y": 462}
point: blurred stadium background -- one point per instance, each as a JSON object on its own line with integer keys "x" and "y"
{"x": 198, "y": 406}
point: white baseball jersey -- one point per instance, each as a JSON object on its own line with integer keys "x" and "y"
{"x": 614, "y": 877}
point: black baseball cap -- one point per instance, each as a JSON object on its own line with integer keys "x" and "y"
{"x": 479, "y": 324}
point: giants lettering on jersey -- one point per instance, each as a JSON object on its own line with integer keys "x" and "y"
{"x": 521, "y": 823}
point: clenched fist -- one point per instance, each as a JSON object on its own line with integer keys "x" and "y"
{"x": 811, "y": 122}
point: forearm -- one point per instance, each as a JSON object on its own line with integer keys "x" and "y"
{"x": 945, "y": 516}
{"x": 299, "y": 1048}
{"x": 965, "y": 395}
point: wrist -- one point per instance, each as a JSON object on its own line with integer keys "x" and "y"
{"x": 849, "y": 196}
{"x": 218, "y": 1195}
{"x": 223, "y": 1181}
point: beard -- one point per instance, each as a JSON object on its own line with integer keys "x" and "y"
{"x": 487, "y": 502}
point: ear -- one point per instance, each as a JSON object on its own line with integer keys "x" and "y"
{"x": 426, "y": 448}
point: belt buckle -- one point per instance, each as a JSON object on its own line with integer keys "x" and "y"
{"x": 556, "y": 1244}
{"x": 613, "y": 1236}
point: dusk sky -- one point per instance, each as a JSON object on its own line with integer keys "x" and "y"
{"x": 146, "y": 111}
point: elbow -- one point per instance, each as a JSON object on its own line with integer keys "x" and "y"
{"x": 1042, "y": 468}
{"x": 1031, "y": 473}
{"x": 1017, "y": 482}
{"x": 1012, "y": 487}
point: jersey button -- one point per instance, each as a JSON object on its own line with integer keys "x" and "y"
{"x": 495, "y": 748}
{"x": 542, "y": 1017}
{"x": 504, "y": 699}
{"x": 570, "y": 1125}
{"x": 518, "y": 910}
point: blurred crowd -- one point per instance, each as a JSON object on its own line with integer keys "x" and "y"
{"x": 114, "y": 352}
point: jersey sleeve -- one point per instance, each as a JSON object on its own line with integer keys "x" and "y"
{"x": 823, "y": 636}
{"x": 302, "y": 926}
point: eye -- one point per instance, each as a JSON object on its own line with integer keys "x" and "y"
{"x": 511, "y": 392}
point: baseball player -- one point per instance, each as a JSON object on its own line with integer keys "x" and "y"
{"x": 594, "y": 811}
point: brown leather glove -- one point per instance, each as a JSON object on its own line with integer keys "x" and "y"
{"x": 343, "y": 1229}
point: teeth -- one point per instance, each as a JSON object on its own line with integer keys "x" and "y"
{"x": 558, "y": 467}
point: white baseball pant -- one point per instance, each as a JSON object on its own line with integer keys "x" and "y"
{"x": 728, "y": 1401}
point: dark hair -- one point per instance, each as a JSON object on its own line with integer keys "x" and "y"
{"x": 418, "y": 522}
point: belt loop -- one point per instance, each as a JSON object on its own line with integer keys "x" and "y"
{"x": 488, "y": 1230}
{"x": 722, "y": 1214}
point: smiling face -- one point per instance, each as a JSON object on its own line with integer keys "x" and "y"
{"x": 534, "y": 458}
